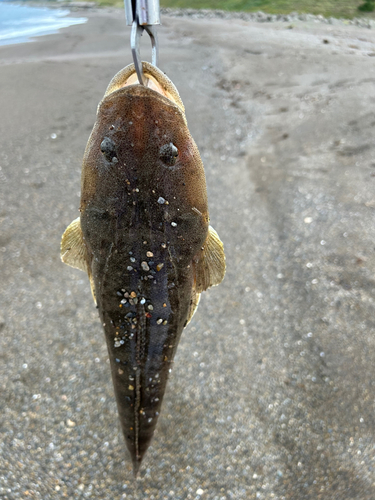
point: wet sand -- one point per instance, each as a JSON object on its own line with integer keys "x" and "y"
{"x": 271, "y": 396}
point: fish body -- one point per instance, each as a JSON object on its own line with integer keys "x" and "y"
{"x": 144, "y": 239}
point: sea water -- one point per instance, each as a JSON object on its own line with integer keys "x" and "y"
{"x": 19, "y": 23}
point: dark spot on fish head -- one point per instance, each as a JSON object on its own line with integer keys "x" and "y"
{"x": 168, "y": 154}
{"x": 108, "y": 148}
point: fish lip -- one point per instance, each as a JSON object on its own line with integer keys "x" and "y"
{"x": 156, "y": 80}
{"x": 139, "y": 91}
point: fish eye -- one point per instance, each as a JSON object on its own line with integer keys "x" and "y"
{"x": 168, "y": 154}
{"x": 108, "y": 148}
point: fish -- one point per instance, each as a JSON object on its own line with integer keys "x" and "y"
{"x": 144, "y": 239}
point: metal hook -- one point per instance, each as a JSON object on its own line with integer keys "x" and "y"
{"x": 142, "y": 15}
{"x": 136, "y": 33}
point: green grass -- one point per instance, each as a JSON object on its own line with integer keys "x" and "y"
{"x": 368, "y": 6}
{"x": 335, "y": 8}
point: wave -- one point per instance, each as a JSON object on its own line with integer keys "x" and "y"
{"x": 32, "y": 22}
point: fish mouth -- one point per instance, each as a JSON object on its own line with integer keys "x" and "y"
{"x": 154, "y": 79}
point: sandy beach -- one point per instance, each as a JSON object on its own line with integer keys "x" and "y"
{"x": 272, "y": 393}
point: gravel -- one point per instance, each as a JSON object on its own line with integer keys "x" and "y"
{"x": 262, "y": 17}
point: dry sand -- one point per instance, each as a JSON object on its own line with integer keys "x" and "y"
{"x": 272, "y": 393}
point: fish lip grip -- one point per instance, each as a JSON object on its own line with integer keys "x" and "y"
{"x": 143, "y": 15}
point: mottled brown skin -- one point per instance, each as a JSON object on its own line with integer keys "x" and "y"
{"x": 124, "y": 225}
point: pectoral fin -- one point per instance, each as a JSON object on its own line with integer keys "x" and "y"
{"x": 74, "y": 251}
{"x": 73, "y": 248}
{"x": 210, "y": 268}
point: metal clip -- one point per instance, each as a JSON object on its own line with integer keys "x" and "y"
{"x": 142, "y": 15}
{"x": 147, "y": 12}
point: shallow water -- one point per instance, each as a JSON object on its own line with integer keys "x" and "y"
{"x": 20, "y": 23}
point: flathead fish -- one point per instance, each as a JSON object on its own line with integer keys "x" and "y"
{"x": 144, "y": 239}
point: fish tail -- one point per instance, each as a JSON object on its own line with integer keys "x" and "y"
{"x": 136, "y": 466}
{"x": 138, "y": 409}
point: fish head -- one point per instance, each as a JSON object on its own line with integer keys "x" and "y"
{"x": 141, "y": 144}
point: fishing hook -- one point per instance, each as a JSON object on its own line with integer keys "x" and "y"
{"x": 142, "y": 15}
